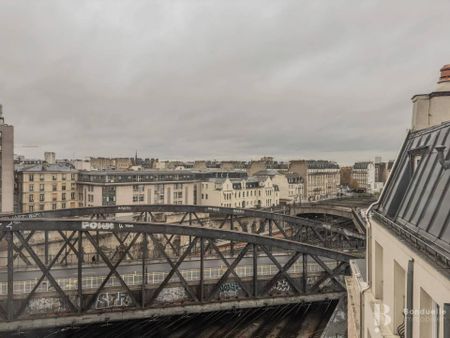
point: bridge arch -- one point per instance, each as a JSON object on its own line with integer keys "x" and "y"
{"x": 298, "y": 271}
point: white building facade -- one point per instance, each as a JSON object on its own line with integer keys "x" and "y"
{"x": 253, "y": 192}
{"x": 364, "y": 174}
{"x": 97, "y": 188}
{"x": 321, "y": 179}
{"x": 290, "y": 185}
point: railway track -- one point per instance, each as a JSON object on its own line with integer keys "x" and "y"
{"x": 305, "y": 320}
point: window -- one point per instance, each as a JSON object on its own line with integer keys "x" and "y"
{"x": 41, "y": 197}
{"x": 41, "y": 177}
{"x": 31, "y": 208}
{"x": 41, "y": 187}
{"x": 72, "y": 196}
{"x": 63, "y": 205}
{"x": 63, "y": 176}
{"x": 31, "y": 187}
{"x": 54, "y": 177}
{"x": 30, "y": 198}
{"x": 54, "y": 187}
{"x": 63, "y": 187}
{"x": 63, "y": 196}
{"x": 54, "y": 206}
{"x": 429, "y": 322}
{"x": 31, "y": 177}
{"x": 41, "y": 207}
{"x": 378, "y": 271}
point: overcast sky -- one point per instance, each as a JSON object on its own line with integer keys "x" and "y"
{"x": 217, "y": 79}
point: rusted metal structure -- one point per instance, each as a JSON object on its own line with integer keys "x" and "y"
{"x": 274, "y": 263}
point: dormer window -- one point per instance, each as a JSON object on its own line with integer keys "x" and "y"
{"x": 415, "y": 156}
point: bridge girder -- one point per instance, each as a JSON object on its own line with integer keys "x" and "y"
{"x": 98, "y": 212}
{"x": 79, "y": 301}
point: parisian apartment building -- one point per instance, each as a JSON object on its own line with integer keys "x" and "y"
{"x": 321, "y": 179}
{"x": 97, "y": 188}
{"x": 301, "y": 181}
{"x": 363, "y": 173}
{"x": 402, "y": 289}
{"x": 289, "y": 184}
{"x": 248, "y": 192}
{"x": 46, "y": 187}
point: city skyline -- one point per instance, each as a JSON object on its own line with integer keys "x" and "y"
{"x": 196, "y": 81}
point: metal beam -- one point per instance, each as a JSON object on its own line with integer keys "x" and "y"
{"x": 174, "y": 270}
{"x": 117, "y": 209}
{"x": 45, "y": 270}
{"x": 112, "y": 268}
{"x": 230, "y": 270}
{"x": 176, "y": 229}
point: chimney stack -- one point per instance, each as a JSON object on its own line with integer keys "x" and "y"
{"x": 434, "y": 108}
{"x": 445, "y": 74}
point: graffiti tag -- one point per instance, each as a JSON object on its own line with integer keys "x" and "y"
{"x": 171, "y": 295}
{"x": 111, "y": 300}
{"x": 228, "y": 290}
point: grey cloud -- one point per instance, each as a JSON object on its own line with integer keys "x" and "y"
{"x": 217, "y": 79}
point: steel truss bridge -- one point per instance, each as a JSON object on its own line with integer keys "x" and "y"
{"x": 125, "y": 265}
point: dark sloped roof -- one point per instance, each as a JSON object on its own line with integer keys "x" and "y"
{"x": 322, "y": 164}
{"x": 361, "y": 165}
{"x": 56, "y": 167}
{"x": 418, "y": 193}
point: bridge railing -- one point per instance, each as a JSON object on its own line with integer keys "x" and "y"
{"x": 155, "y": 277}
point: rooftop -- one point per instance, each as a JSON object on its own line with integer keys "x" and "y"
{"x": 417, "y": 194}
{"x": 361, "y": 165}
{"x": 322, "y": 164}
{"x": 56, "y": 167}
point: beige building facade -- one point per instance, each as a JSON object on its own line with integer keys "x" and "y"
{"x": 321, "y": 179}
{"x": 363, "y": 173}
{"x": 106, "y": 163}
{"x": 252, "y": 192}
{"x": 289, "y": 184}
{"x": 97, "y": 188}
{"x": 46, "y": 187}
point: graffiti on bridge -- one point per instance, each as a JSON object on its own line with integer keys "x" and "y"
{"x": 111, "y": 300}
{"x": 45, "y": 305}
{"x": 172, "y": 295}
{"x": 281, "y": 286}
{"x": 228, "y": 290}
